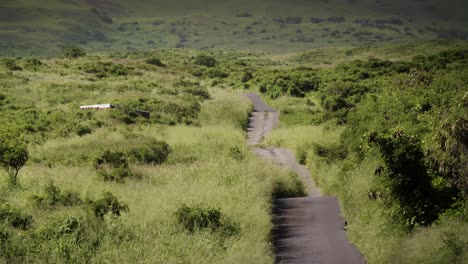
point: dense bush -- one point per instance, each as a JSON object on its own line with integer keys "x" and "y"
{"x": 295, "y": 83}
{"x": 14, "y": 217}
{"x": 197, "y": 218}
{"x": 105, "y": 69}
{"x": 10, "y": 64}
{"x": 154, "y": 152}
{"x": 108, "y": 204}
{"x": 286, "y": 188}
{"x": 205, "y": 60}
{"x": 155, "y": 61}
{"x": 53, "y": 196}
{"x": 112, "y": 166}
{"x": 73, "y": 52}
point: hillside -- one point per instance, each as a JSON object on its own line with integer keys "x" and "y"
{"x": 29, "y": 27}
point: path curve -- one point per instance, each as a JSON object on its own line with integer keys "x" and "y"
{"x": 307, "y": 229}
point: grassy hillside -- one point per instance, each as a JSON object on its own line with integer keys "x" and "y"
{"x": 111, "y": 186}
{"x": 30, "y": 28}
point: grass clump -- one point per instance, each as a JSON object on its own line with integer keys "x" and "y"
{"x": 196, "y": 218}
{"x": 112, "y": 166}
{"x": 292, "y": 186}
{"x": 108, "y": 204}
{"x": 53, "y": 196}
{"x": 154, "y": 153}
{"x": 13, "y": 217}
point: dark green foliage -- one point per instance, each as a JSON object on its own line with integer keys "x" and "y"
{"x": 112, "y": 166}
{"x": 247, "y": 77}
{"x": 155, "y": 153}
{"x": 155, "y": 61}
{"x": 216, "y": 73}
{"x": 295, "y": 83}
{"x": 10, "y": 64}
{"x": 73, "y": 52}
{"x": 205, "y": 60}
{"x": 198, "y": 217}
{"x": 409, "y": 179}
{"x": 54, "y": 196}
{"x": 14, "y": 217}
{"x": 105, "y": 69}
{"x": 83, "y": 130}
{"x": 331, "y": 152}
{"x": 236, "y": 153}
{"x": 13, "y": 154}
{"x": 286, "y": 188}
{"x": 33, "y": 63}
{"x": 108, "y": 204}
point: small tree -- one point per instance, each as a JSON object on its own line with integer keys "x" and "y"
{"x": 73, "y": 52}
{"x": 13, "y": 156}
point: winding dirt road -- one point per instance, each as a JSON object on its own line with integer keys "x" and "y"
{"x": 308, "y": 229}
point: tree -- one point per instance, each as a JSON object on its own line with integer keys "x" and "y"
{"x": 13, "y": 156}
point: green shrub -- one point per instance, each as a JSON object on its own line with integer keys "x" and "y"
{"x": 196, "y": 218}
{"x": 330, "y": 152}
{"x": 155, "y": 61}
{"x": 105, "y": 69}
{"x": 73, "y": 52}
{"x": 33, "y": 63}
{"x": 83, "y": 130}
{"x": 112, "y": 166}
{"x": 108, "y": 204}
{"x": 236, "y": 153}
{"x": 286, "y": 188}
{"x": 216, "y": 73}
{"x": 13, "y": 217}
{"x": 53, "y": 196}
{"x": 205, "y": 60}
{"x": 246, "y": 77}
{"x": 155, "y": 152}
{"x": 10, "y": 64}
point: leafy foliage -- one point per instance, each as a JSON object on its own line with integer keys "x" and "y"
{"x": 197, "y": 218}
{"x": 54, "y": 196}
{"x": 108, "y": 204}
{"x": 73, "y": 52}
{"x": 205, "y": 60}
{"x": 13, "y": 154}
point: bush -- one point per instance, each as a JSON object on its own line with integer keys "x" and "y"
{"x": 105, "y": 69}
{"x": 10, "y": 64}
{"x": 155, "y": 61}
{"x": 286, "y": 188}
{"x": 247, "y": 77}
{"x": 331, "y": 152}
{"x": 236, "y": 153}
{"x": 108, "y": 204}
{"x": 53, "y": 196}
{"x": 205, "y": 60}
{"x": 216, "y": 73}
{"x": 73, "y": 52}
{"x": 196, "y": 218}
{"x": 112, "y": 166}
{"x": 155, "y": 152}
{"x": 83, "y": 130}
{"x": 13, "y": 217}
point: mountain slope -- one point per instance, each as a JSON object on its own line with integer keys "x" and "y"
{"x": 29, "y": 27}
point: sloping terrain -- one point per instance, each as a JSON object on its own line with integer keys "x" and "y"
{"x": 29, "y": 27}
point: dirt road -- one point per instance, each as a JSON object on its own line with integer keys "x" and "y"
{"x": 308, "y": 229}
